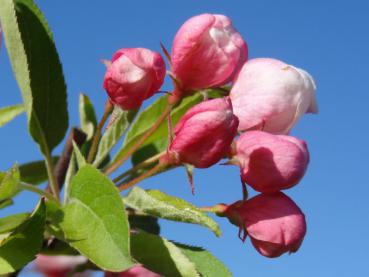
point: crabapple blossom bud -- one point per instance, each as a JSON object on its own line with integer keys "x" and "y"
{"x": 204, "y": 134}
{"x": 59, "y": 266}
{"x": 207, "y": 52}
{"x": 274, "y": 223}
{"x": 270, "y": 163}
{"x": 134, "y": 75}
{"x": 272, "y": 95}
{"x": 136, "y": 271}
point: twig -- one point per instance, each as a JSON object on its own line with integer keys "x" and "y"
{"x": 61, "y": 166}
{"x": 141, "y": 165}
{"x": 147, "y": 174}
{"x": 140, "y": 141}
{"x": 95, "y": 142}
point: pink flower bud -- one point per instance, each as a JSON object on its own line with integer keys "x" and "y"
{"x": 204, "y": 134}
{"x": 270, "y": 163}
{"x": 59, "y": 266}
{"x": 272, "y": 95}
{"x": 207, "y": 52}
{"x": 136, "y": 271}
{"x": 274, "y": 223}
{"x": 134, "y": 75}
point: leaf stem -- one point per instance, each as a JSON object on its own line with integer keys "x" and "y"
{"x": 140, "y": 141}
{"x": 147, "y": 174}
{"x": 32, "y": 188}
{"x": 95, "y": 142}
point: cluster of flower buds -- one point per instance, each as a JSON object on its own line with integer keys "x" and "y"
{"x": 268, "y": 97}
{"x": 266, "y": 100}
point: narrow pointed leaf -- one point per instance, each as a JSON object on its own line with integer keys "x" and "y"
{"x": 37, "y": 69}
{"x": 114, "y": 133}
{"x": 71, "y": 171}
{"x": 161, "y": 256}
{"x": 10, "y": 112}
{"x": 22, "y": 245}
{"x": 157, "y": 203}
{"x": 95, "y": 222}
{"x": 87, "y": 116}
{"x": 81, "y": 161}
{"x": 206, "y": 264}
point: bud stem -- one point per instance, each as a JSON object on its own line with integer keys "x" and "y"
{"x": 245, "y": 193}
{"x": 218, "y": 209}
{"x": 147, "y": 174}
{"x": 140, "y": 141}
{"x": 144, "y": 164}
{"x": 95, "y": 142}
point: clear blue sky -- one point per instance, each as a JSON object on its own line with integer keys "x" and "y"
{"x": 327, "y": 38}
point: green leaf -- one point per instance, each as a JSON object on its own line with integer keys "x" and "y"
{"x": 87, "y": 116}
{"x": 81, "y": 161}
{"x": 54, "y": 217}
{"x": 114, "y": 133}
{"x": 22, "y": 245}
{"x": 161, "y": 256}
{"x": 71, "y": 171}
{"x": 149, "y": 150}
{"x": 143, "y": 222}
{"x": 37, "y": 69}
{"x": 6, "y": 203}
{"x": 157, "y": 203}
{"x": 34, "y": 173}
{"x": 10, "y": 112}
{"x": 147, "y": 118}
{"x": 9, "y": 183}
{"x": 206, "y": 264}
{"x": 9, "y": 223}
{"x": 95, "y": 222}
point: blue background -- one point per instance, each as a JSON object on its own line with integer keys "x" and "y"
{"x": 327, "y": 38}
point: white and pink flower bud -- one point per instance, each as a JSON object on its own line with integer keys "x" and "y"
{"x": 134, "y": 75}
{"x": 59, "y": 266}
{"x": 207, "y": 52}
{"x": 271, "y": 95}
{"x": 204, "y": 134}
{"x": 274, "y": 223}
{"x": 136, "y": 271}
{"x": 270, "y": 163}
